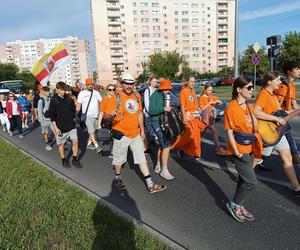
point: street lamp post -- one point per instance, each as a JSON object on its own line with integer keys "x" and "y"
{"x": 236, "y": 40}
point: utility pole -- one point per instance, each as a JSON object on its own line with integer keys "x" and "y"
{"x": 236, "y": 41}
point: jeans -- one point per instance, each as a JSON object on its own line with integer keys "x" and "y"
{"x": 15, "y": 122}
{"x": 292, "y": 143}
{"x": 247, "y": 181}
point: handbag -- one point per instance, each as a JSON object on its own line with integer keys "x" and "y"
{"x": 83, "y": 116}
{"x": 102, "y": 134}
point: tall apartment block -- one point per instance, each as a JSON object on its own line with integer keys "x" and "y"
{"x": 127, "y": 32}
{"x": 26, "y": 53}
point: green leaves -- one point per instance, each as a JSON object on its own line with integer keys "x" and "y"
{"x": 290, "y": 49}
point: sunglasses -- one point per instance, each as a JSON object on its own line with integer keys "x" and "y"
{"x": 11, "y": 96}
{"x": 249, "y": 87}
{"x": 111, "y": 89}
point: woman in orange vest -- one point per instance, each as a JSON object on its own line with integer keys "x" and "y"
{"x": 243, "y": 144}
{"x": 207, "y": 103}
{"x": 189, "y": 142}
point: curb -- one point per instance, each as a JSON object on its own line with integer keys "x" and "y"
{"x": 120, "y": 212}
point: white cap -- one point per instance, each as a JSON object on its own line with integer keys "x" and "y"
{"x": 127, "y": 77}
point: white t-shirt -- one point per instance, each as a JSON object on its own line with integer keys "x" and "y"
{"x": 15, "y": 108}
{"x": 83, "y": 99}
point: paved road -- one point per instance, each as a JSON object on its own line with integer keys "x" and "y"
{"x": 192, "y": 209}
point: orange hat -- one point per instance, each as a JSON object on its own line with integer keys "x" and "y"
{"x": 88, "y": 81}
{"x": 165, "y": 85}
{"x": 39, "y": 87}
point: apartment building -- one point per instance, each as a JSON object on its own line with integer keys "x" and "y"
{"x": 127, "y": 32}
{"x": 26, "y": 53}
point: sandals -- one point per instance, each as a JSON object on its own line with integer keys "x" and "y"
{"x": 156, "y": 188}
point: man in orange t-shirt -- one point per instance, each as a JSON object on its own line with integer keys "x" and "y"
{"x": 128, "y": 131}
{"x": 288, "y": 101}
{"x": 190, "y": 141}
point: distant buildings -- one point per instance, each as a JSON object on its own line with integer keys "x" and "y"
{"x": 26, "y": 53}
{"x": 127, "y": 32}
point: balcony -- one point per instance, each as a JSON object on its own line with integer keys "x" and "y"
{"x": 113, "y": 14}
{"x": 115, "y": 38}
{"x": 114, "y": 30}
{"x": 113, "y": 6}
{"x": 222, "y": 13}
{"x": 114, "y": 23}
{"x": 116, "y": 54}
{"x": 222, "y": 6}
{"x": 222, "y": 62}
{"x": 222, "y": 21}
{"x": 116, "y": 46}
{"x": 117, "y": 60}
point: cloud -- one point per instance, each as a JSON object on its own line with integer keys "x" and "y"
{"x": 270, "y": 11}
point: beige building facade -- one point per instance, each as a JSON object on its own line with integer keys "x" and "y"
{"x": 127, "y": 32}
{"x": 26, "y": 53}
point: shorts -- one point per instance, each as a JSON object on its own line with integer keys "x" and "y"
{"x": 160, "y": 138}
{"x": 282, "y": 144}
{"x": 62, "y": 139}
{"x": 120, "y": 149}
{"x": 46, "y": 127}
{"x": 91, "y": 124}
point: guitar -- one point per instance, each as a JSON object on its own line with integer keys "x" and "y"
{"x": 271, "y": 132}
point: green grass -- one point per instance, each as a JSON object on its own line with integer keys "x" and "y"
{"x": 38, "y": 210}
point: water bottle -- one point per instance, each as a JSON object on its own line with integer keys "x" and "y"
{"x": 167, "y": 100}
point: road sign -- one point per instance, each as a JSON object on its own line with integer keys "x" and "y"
{"x": 255, "y": 59}
{"x": 256, "y": 47}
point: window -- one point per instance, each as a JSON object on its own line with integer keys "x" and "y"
{"x": 157, "y": 43}
{"x": 156, "y": 35}
{"x": 185, "y": 42}
{"x": 155, "y": 5}
{"x": 165, "y": 7}
{"x": 144, "y": 12}
{"x": 195, "y": 27}
{"x": 195, "y": 48}
{"x": 144, "y": 4}
{"x": 144, "y": 28}
{"x": 195, "y": 42}
{"x": 136, "y": 43}
{"x": 135, "y": 20}
{"x": 147, "y": 50}
{"x": 185, "y": 20}
{"x": 157, "y": 50}
{"x": 185, "y": 27}
{"x": 146, "y": 43}
{"x": 165, "y": 23}
{"x": 165, "y": 30}
{"x": 144, "y": 20}
{"x": 185, "y": 34}
{"x": 194, "y": 5}
{"x": 195, "y": 13}
{"x": 186, "y": 49}
{"x": 155, "y": 20}
{"x": 176, "y": 20}
{"x": 195, "y": 20}
{"x": 145, "y": 35}
{"x": 136, "y": 35}
{"x": 156, "y": 27}
{"x": 134, "y": 4}
{"x": 184, "y": 13}
{"x": 166, "y": 45}
{"x": 165, "y": 15}
{"x": 176, "y": 27}
{"x": 155, "y": 12}
{"x": 176, "y": 12}
{"x": 195, "y": 34}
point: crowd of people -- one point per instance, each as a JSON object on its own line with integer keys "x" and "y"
{"x": 140, "y": 123}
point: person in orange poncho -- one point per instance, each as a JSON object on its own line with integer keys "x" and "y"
{"x": 189, "y": 142}
{"x": 207, "y": 103}
{"x": 243, "y": 145}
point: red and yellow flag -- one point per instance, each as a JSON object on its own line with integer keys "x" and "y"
{"x": 46, "y": 65}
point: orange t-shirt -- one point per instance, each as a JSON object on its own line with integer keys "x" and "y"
{"x": 268, "y": 101}
{"x": 239, "y": 119}
{"x": 286, "y": 94}
{"x": 105, "y": 105}
{"x": 205, "y": 99}
{"x": 188, "y": 99}
{"x": 126, "y": 120}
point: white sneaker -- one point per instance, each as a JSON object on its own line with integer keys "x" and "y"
{"x": 23, "y": 125}
{"x": 157, "y": 169}
{"x": 10, "y": 133}
{"x": 166, "y": 175}
{"x": 21, "y": 136}
{"x": 4, "y": 129}
{"x": 48, "y": 148}
{"x": 26, "y": 126}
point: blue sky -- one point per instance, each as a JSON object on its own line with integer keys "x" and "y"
{"x": 33, "y": 19}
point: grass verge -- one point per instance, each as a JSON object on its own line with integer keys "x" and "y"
{"x": 41, "y": 211}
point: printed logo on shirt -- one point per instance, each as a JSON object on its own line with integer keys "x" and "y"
{"x": 131, "y": 106}
{"x": 191, "y": 98}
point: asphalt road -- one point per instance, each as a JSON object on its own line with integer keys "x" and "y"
{"x": 192, "y": 210}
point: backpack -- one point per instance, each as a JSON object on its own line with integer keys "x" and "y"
{"x": 46, "y": 113}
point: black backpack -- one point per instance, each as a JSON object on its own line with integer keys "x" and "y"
{"x": 46, "y": 113}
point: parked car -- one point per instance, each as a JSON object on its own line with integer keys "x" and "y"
{"x": 216, "y": 81}
{"x": 219, "y": 110}
{"x": 4, "y": 92}
{"x": 202, "y": 82}
{"x": 227, "y": 80}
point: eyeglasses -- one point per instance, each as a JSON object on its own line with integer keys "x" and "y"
{"x": 11, "y": 96}
{"x": 250, "y": 87}
{"x": 111, "y": 89}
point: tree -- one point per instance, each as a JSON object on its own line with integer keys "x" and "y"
{"x": 142, "y": 78}
{"x": 290, "y": 49}
{"x": 8, "y": 71}
{"x": 28, "y": 79}
{"x": 95, "y": 76}
{"x": 118, "y": 71}
{"x": 165, "y": 65}
{"x": 186, "y": 71}
{"x": 246, "y": 66}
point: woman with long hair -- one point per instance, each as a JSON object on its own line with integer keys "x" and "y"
{"x": 207, "y": 102}
{"x": 14, "y": 114}
{"x": 243, "y": 145}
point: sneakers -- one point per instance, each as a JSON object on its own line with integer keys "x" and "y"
{"x": 235, "y": 211}
{"x": 23, "y": 125}
{"x": 91, "y": 147}
{"x": 10, "y": 133}
{"x": 221, "y": 151}
{"x": 157, "y": 169}
{"x": 26, "y": 126}
{"x": 296, "y": 193}
{"x": 66, "y": 163}
{"x": 48, "y": 148}
{"x": 119, "y": 183}
{"x": 4, "y": 129}
{"x": 166, "y": 174}
{"x": 21, "y": 136}
{"x": 156, "y": 188}
{"x": 246, "y": 214}
{"x": 98, "y": 150}
{"x": 76, "y": 163}
{"x": 111, "y": 155}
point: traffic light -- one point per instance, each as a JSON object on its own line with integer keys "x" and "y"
{"x": 274, "y": 51}
{"x": 273, "y": 40}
